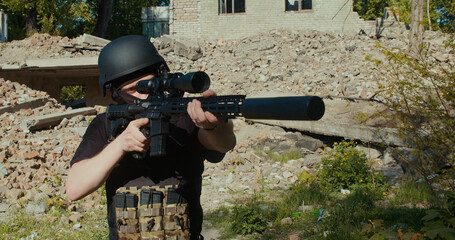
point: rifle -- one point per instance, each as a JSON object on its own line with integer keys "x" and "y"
{"x": 166, "y": 100}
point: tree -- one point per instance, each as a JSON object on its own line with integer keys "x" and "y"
{"x": 28, "y": 9}
{"x": 31, "y": 20}
{"x": 126, "y": 16}
{"x": 446, "y": 10}
{"x": 438, "y": 15}
{"x": 66, "y": 18}
{"x": 416, "y": 33}
{"x": 370, "y": 9}
{"x": 104, "y": 14}
{"x": 419, "y": 89}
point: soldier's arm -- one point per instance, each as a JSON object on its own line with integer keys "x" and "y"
{"x": 214, "y": 134}
{"x": 87, "y": 175}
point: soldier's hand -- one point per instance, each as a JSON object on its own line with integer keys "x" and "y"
{"x": 132, "y": 138}
{"x": 202, "y": 119}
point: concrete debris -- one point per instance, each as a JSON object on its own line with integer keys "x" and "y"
{"x": 51, "y": 120}
{"x": 286, "y": 62}
{"x": 45, "y": 46}
{"x": 91, "y": 40}
{"x": 33, "y": 165}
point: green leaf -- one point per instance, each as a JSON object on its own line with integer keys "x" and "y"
{"x": 434, "y": 225}
{"x": 447, "y": 233}
{"x": 380, "y": 236}
{"x": 451, "y": 221}
{"x": 431, "y": 215}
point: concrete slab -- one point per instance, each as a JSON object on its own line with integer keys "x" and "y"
{"x": 50, "y": 120}
{"x": 10, "y": 66}
{"x": 341, "y": 119}
{"x": 34, "y": 103}
{"x": 62, "y": 62}
{"x": 92, "y": 40}
{"x": 377, "y": 135}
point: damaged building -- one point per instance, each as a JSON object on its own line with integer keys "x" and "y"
{"x": 196, "y": 19}
{"x": 235, "y": 19}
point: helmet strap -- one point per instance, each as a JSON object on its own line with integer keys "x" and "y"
{"x": 108, "y": 87}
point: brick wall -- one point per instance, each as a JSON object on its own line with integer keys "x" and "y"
{"x": 184, "y": 18}
{"x": 200, "y": 18}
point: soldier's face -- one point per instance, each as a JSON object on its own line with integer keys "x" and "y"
{"x": 130, "y": 88}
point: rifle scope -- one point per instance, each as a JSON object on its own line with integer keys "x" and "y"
{"x": 194, "y": 82}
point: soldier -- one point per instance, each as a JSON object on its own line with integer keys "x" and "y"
{"x": 193, "y": 138}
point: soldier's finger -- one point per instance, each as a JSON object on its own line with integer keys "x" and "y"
{"x": 139, "y": 122}
{"x": 210, "y": 117}
{"x": 208, "y": 93}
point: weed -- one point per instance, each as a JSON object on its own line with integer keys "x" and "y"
{"x": 248, "y": 218}
{"x": 440, "y": 223}
{"x": 53, "y": 225}
{"x": 345, "y": 167}
{"x": 411, "y": 192}
{"x": 277, "y": 157}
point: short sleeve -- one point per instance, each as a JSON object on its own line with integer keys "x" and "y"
{"x": 185, "y": 123}
{"x": 93, "y": 141}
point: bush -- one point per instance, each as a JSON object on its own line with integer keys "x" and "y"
{"x": 345, "y": 167}
{"x": 248, "y": 217}
{"x": 440, "y": 223}
{"x": 419, "y": 91}
{"x": 71, "y": 93}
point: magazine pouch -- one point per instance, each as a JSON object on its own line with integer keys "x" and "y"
{"x": 126, "y": 201}
{"x": 176, "y": 222}
{"x": 151, "y": 213}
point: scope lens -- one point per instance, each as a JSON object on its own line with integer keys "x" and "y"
{"x": 145, "y": 86}
{"x": 195, "y": 82}
{"x": 201, "y": 82}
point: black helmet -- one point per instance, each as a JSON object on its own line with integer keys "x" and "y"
{"x": 125, "y": 56}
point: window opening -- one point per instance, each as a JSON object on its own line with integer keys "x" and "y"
{"x": 73, "y": 96}
{"x": 307, "y": 4}
{"x": 297, "y": 5}
{"x": 231, "y": 6}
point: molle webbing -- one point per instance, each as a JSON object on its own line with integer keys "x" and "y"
{"x": 151, "y": 213}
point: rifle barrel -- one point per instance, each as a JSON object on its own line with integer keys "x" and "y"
{"x": 284, "y": 108}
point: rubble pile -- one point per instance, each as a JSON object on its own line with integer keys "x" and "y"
{"x": 293, "y": 62}
{"x": 34, "y": 164}
{"x": 13, "y": 93}
{"x": 44, "y": 46}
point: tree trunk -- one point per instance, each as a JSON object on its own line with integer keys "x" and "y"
{"x": 31, "y": 21}
{"x": 428, "y": 14}
{"x": 104, "y": 14}
{"x": 416, "y": 33}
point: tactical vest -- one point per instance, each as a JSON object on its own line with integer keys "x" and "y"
{"x": 151, "y": 213}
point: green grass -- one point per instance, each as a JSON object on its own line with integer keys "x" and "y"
{"x": 411, "y": 192}
{"x": 359, "y": 215}
{"x": 362, "y": 214}
{"x": 54, "y": 225}
{"x": 277, "y": 157}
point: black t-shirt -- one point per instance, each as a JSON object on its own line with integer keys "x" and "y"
{"x": 183, "y": 164}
